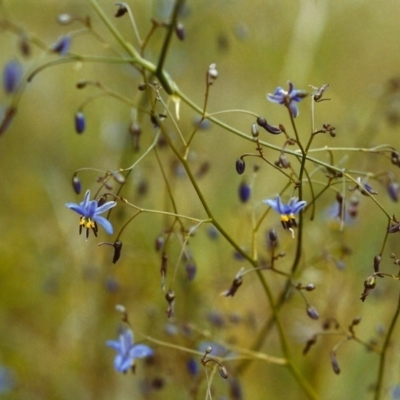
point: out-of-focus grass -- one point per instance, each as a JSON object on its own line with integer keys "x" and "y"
{"x": 56, "y": 309}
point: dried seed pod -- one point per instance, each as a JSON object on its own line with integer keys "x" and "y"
{"x": 80, "y": 122}
{"x": 117, "y": 251}
{"x": 240, "y": 166}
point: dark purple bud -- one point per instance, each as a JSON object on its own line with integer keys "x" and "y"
{"x": 180, "y": 31}
{"x": 122, "y": 10}
{"x": 117, "y": 251}
{"x": 223, "y": 372}
{"x": 191, "y": 270}
{"x": 159, "y": 243}
{"x": 80, "y": 122}
{"x": 334, "y": 363}
{"x": 192, "y": 367}
{"x": 356, "y": 321}
{"x": 393, "y": 189}
{"x": 235, "y": 389}
{"x": 377, "y": 261}
{"x": 272, "y": 238}
{"x": 12, "y": 76}
{"x": 62, "y": 45}
{"x": 310, "y": 287}
{"x": 76, "y": 184}
{"x": 240, "y": 166}
{"x": 244, "y": 192}
{"x": 7, "y": 118}
{"x": 81, "y": 84}
{"x": 312, "y": 312}
{"x": 395, "y": 156}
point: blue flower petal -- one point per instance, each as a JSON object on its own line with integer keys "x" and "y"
{"x": 140, "y": 351}
{"x": 105, "y": 223}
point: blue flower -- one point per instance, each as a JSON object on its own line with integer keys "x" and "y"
{"x": 288, "y": 98}
{"x": 90, "y": 214}
{"x": 287, "y": 211}
{"x": 127, "y": 351}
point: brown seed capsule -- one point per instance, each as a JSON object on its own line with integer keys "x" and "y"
{"x": 377, "y": 261}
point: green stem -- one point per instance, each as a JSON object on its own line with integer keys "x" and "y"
{"x": 381, "y": 370}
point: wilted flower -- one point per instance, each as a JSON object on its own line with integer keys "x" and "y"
{"x": 12, "y": 75}
{"x": 287, "y": 211}
{"x": 90, "y": 214}
{"x": 288, "y": 98}
{"x": 127, "y": 351}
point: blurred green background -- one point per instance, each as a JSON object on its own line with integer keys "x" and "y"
{"x": 59, "y": 291}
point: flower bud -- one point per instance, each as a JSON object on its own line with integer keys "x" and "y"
{"x": 240, "y": 166}
{"x": 159, "y": 243}
{"x": 212, "y": 74}
{"x": 223, "y": 372}
{"x": 122, "y": 10}
{"x": 80, "y": 122}
{"x": 12, "y": 76}
{"x": 191, "y": 270}
{"x": 310, "y": 287}
{"x": 312, "y": 312}
{"x": 393, "y": 189}
{"x": 334, "y": 363}
{"x": 62, "y": 45}
{"x": 76, "y": 184}
{"x": 377, "y": 261}
{"x": 65, "y": 19}
{"x": 244, "y": 192}
{"x": 254, "y": 131}
{"x": 180, "y": 31}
